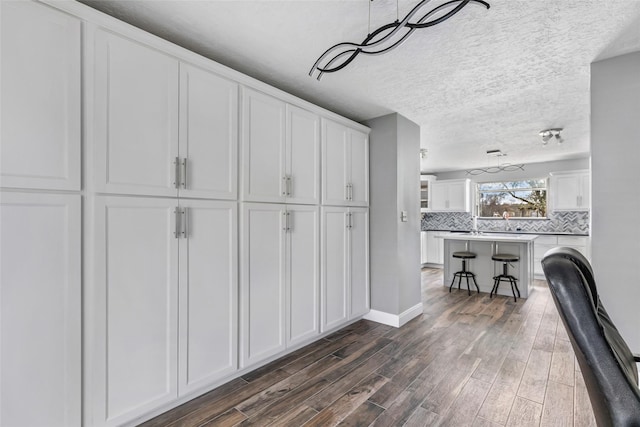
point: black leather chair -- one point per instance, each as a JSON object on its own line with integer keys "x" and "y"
{"x": 608, "y": 366}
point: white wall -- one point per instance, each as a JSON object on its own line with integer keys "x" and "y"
{"x": 531, "y": 170}
{"x": 394, "y": 185}
{"x": 615, "y": 168}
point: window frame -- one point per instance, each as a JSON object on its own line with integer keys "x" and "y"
{"x": 477, "y": 204}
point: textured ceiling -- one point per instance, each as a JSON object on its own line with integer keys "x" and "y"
{"x": 484, "y": 79}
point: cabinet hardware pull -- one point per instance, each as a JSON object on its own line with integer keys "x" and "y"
{"x": 288, "y": 221}
{"x": 176, "y": 179}
{"x": 183, "y": 222}
{"x": 284, "y": 219}
{"x": 289, "y": 186}
{"x": 351, "y": 192}
{"x": 284, "y": 185}
{"x": 176, "y": 231}
{"x": 183, "y": 174}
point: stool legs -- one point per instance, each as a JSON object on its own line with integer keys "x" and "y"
{"x": 466, "y": 274}
{"x": 505, "y": 276}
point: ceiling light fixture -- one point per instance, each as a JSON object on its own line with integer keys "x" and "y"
{"x": 548, "y": 134}
{"x": 387, "y": 37}
{"x": 505, "y": 167}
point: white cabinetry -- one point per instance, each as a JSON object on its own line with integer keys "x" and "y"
{"x": 345, "y": 165}
{"x": 147, "y": 252}
{"x": 570, "y": 191}
{"x": 142, "y": 97}
{"x": 345, "y": 265}
{"x": 279, "y": 278}
{"x": 281, "y": 151}
{"x": 40, "y": 132}
{"x": 435, "y": 247}
{"x": 40, "y": 294}
{"x": 423, "y": 247}
{"x": 543, "y": 243}
{"x": 450, "y": 196}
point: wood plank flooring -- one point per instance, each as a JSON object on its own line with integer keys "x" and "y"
{"x": 467, "y": 361}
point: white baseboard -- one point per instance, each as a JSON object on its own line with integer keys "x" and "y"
{"x": 395, "y": 320}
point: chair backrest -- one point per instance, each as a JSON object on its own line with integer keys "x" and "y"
{"x": 607, "y": 364}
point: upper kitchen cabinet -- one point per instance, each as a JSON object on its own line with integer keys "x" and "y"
{"x": 281, "y": 151}
{"x": 41, "y": 100}
{"x": 450, "y": 196}
{"x": 142, "y": 98}
{"x": 570, "y": 191}
{"x": 345, "y": 165}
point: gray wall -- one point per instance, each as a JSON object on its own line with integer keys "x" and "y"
{"x": 394, "y": 145}
{"x": 615, "y": 167}
{"x": 531, "y": 170}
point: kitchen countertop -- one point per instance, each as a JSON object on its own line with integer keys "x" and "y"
{"x": 490, "y": 237}
{"x": 541, "y": 233}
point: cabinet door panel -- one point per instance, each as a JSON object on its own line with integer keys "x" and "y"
{"x": 262, "y": 282}
{"x": 40, "y": 89}
{"x": 334, "y": 267}
{"x": 458, "y": 196}
{"x": 359, "y": 262}
{"x": 303, "y": 155}
{"x": 208, "y": 133}
{"x": 263, "y": 145}
{"x": 359, "y": 160}
{"x": 135, "y": 310}
{"x": 304, "y": 275}
{"x": 208, "y": 293}
{"x": 40, "y": 310}
{"x": 136, "y": 118}
{"x": 439, "y": 196}
{"x": 334, "y": 163}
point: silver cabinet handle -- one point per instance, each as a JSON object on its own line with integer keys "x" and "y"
{"x": 183, "y": 173}
{"x": 176, "y": 171}
{"x": 349, "y": 225}
{"x": 183, "y": 222}
{"x": 284, "y": 221}
{"x": 289, "y": 186}
{"x": 284, "y": 185}
{"x": 176, "y": 231}
{"x": 288, "y": 221}
{"x": 346, "y": 192}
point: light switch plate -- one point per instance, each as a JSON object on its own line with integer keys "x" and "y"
{"x": 403, "y": 216}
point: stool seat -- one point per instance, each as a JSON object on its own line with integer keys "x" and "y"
{"x": 505, "y": 257}
{"x": 463, "y": 255}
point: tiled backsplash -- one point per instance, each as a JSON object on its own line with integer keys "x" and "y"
{"x": 576, "y": 222}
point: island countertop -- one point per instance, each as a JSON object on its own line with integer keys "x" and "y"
{"x": 490, "y": 237}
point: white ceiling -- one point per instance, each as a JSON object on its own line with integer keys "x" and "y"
{"x": 484, "y": 79}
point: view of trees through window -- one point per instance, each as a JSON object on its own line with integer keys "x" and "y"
{"x": 520, "y": 199}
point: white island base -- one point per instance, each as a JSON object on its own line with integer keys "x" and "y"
{"x": 484, "y": 246}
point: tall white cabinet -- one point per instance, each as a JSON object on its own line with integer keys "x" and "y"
{"x": 162, "y": 221}
{"x": 280, "y": 278}
{"x": 40, "y": 228}
{"x": 345, "y": 265}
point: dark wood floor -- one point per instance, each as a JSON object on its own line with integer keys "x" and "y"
{"x": 467, "y": 361}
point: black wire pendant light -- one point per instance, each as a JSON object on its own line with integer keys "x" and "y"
{"x": 385, "y": 38}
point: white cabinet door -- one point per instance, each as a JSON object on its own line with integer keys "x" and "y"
{"x": 40, "y": 295}
{"x": 345, "y": 165}
{"x": 303, "y": 275}
{"x": 334, "y": 273}
{"x": 208, "y": 293}
{"x": 459, "y": 196}
{"x": 263, "y": 148}
{"x": 335, "y": 168}
{"x": 435, "y": 248}
{"x": 303, "y": 156}
{"x": 359, "y": 161}
{"x": 40, "y": 93}
{"x": 439, "y": 196}
{"x": 358, "y": 262}
{"x": 262, "y": 282}
{"x": 423, "y": 247}
{"x": 133, "y": 307}
{"x": 208, "y": 134}
{"x": 570, "y": 191}
{"x": 136, "y": 118}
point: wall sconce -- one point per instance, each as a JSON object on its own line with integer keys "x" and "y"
{"x": 547, "y": 134}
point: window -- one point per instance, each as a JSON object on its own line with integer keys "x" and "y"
{"x": 520, "y": 199}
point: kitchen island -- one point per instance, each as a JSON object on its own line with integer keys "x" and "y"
{"x": 484, "y": 245}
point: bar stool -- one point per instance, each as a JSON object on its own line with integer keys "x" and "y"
{"x": 464, "y": 273}
{"x": 505, "y": 259}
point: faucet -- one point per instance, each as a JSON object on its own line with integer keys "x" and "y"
{"x": 505, "y": 215}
